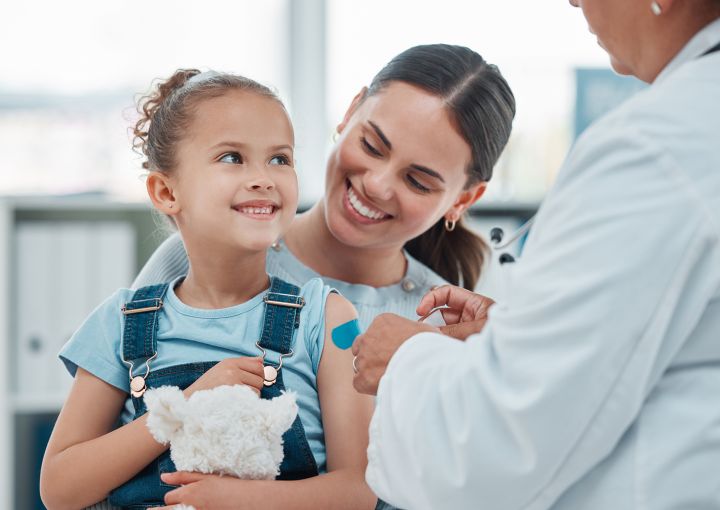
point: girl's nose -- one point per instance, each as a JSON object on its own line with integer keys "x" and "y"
{"x": 260, "y": 180}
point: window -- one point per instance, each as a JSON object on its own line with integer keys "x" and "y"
{"x": 71, "y": 71}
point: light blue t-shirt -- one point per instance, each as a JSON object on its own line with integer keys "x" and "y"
{"x": 170, "y": 261}
{"x": 187, "y": 335}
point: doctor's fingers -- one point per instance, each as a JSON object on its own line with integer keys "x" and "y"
{"x": 464, "y": 305}
{"x": 462, "y": 330}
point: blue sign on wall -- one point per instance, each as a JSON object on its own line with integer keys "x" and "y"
{"x": 598, "y": 91}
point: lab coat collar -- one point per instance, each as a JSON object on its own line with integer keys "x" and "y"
{"x": 699, "y": 44}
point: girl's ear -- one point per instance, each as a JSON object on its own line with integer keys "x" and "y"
{"x": 353, "y": 106}
{"x": 160, "y": 190}
{"x": 466, "y": 198}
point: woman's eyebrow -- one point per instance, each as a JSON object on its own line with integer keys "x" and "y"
{"x": 426, "y": 170}
{"x": 380, "y": 134}
{"x": 420, "y": 168}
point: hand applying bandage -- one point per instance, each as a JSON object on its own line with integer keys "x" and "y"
{"x": 374, "y": 348}
{"x": 463, "y": 312}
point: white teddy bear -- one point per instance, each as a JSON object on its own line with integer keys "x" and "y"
{"x": 227, "y": 430}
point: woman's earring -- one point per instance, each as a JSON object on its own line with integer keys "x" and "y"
{"x": 449, "y": 225}
{"x": 335, "y": 137}
{"x": 655, "y": 8}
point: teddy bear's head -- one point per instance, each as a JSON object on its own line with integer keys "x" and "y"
{"x": 226, "y": 430}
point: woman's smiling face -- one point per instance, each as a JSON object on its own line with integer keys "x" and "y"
{"x": 399, "y": 166}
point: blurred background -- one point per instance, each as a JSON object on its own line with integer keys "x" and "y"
{"x": 74, "y": 220}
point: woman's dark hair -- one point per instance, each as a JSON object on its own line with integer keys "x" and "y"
{"x": 483, "y": 106}
{"x": 166, "y": 112}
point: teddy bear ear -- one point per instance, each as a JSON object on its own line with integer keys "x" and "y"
{"x": 166, "y": 410}
{"x": 283, "y": 410}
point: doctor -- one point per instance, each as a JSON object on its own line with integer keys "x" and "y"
{"x": 596, "y": 385}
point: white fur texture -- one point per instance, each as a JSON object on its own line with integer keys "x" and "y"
{"x": 228, "y": 430}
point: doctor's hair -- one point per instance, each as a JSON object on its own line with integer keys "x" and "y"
{"x": 166, "y": 112}
{"x": 482, "y": 106}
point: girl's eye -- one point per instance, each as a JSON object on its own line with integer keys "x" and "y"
{"x": 232, "y": 158}
{"x": 372, "y": 150}
{"x": 416, "y": 184}
{"x": 280, "y": 159}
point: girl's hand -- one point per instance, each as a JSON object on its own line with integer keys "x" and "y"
{"x": 466, "y": 312}
{"x": 211, "y": 492}
{"x": 244, "y": 370}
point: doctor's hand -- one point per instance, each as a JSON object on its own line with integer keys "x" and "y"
{"x": 374, "y": 348}
{"x": 466, "y": 311}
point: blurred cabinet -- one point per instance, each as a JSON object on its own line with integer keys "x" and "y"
{"x": 59, "y": 259}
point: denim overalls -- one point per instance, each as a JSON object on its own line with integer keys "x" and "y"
{"x": 139, "y": 344}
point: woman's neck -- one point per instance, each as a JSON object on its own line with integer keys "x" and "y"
{"x": 310, "y": 240}
{"x": 221, "y": 280}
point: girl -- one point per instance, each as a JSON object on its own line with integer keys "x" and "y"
{"x": 219, "y": 149}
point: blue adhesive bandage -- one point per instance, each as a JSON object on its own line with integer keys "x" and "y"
{"x": 344, "y": 335}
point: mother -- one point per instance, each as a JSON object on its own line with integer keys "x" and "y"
{"x": 415, "y": 150}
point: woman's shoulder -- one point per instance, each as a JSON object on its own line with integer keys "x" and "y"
{"x": 422, "y": 276}
{"x": 167, "y": 263}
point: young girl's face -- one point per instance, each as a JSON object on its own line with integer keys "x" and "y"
{"x": 235, "y": 182}
{"x": 398, "y": 167}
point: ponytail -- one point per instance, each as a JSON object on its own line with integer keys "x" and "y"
{"x": 457, "y": 256}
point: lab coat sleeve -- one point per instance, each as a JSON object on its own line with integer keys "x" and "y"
{"x": 515, "y": 415}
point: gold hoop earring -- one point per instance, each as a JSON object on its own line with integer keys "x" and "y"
{"x": 656, "y": 8}
{"x": 450, "y": 225}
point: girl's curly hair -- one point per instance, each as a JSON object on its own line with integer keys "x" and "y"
{"x": 166, "y": 112}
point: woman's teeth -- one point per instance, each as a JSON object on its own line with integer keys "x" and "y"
{"x": 362, "y": 209}
{"x": 256, "y": 210}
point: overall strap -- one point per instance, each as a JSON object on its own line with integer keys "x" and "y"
{"x": 283, "y": 304}
{"x": 282, "y": 317}
{"x": 141, "y": 320}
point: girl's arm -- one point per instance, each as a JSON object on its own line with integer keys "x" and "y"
{"x": 87, "y": 456}
{"x": 346, "y": 418}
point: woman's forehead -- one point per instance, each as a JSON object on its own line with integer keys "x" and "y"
{"x": 416, "y": 121}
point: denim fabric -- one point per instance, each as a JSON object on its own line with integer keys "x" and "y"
{"x": 381, "y": 505}
{"x": 146, "y": 490}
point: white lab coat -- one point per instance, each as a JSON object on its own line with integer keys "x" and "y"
{"x": 596, "y": 384}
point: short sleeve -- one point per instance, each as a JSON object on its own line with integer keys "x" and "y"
{"x": 315, "y": 293}
{"x": 95, "y": 346}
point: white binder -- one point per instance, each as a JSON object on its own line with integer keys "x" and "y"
{"x": 65, "y": 270}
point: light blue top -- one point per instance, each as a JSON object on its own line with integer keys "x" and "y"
{"x": 187, "y": 335}
{"x": 170, "y": 261}
{"x": 596, "y": 384}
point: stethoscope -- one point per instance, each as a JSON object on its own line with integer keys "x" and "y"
{"x": 496, "y": 238}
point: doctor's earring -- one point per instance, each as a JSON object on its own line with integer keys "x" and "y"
{"x": 656, "y": 8}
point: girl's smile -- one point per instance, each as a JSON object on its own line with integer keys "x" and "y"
{"x": 263, "y": 210}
